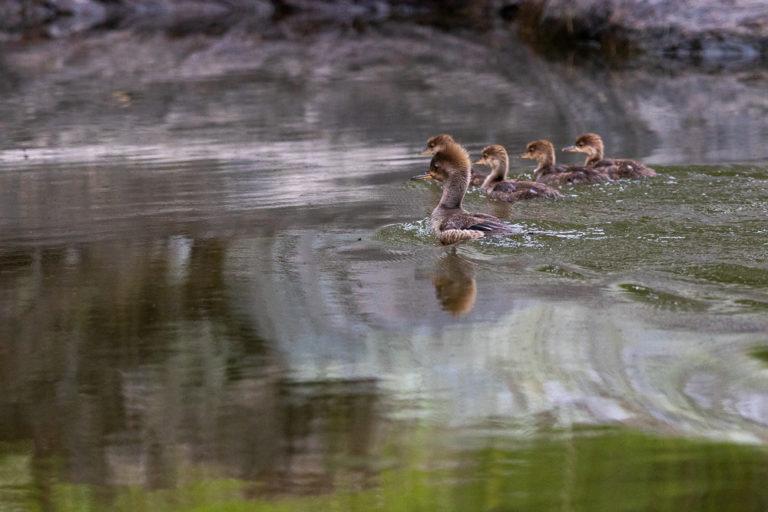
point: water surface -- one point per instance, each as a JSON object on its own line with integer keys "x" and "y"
{"x": 219, "y": 292}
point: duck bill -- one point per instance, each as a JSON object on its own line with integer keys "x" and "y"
{"x": 426, "y": 152}
{"x": 422, "y": 177}
{"x": 481, "y": 161}
{"x": 570, "y": 149}
{"x": 526, "y": 156}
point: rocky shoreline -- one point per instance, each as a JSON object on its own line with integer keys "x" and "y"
{"x": 657, "y": 30}
{"x": 695, "y": 115}
{"x": 704, "y": 31}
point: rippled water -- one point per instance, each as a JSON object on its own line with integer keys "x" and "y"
{"x": 220, "y": 293}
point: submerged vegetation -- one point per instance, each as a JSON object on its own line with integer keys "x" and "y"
{"x": 564, "y": 471}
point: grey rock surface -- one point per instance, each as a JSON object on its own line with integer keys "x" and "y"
{"x": 707, "y": 29}
{"x": 702, "y": 30}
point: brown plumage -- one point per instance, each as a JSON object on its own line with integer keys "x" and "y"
{"x": 549, "y": 172}
{"x": 592, "y": 145}
{"x": 449, "y": 221}
{"x": 497, "y": 186}
{"x": 439, "y": 143}
{"x": 476, "y": 178}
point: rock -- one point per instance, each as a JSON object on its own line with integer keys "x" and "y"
{"x": 18, "y": 16}
{"x": 188, "y": 16}
{"x": 76, "y": 16}
{"x": 704, "y": 29}
{"x": 60, "y": 18}
{"x": 701, "y": 31}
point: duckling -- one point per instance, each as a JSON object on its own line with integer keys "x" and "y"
{"x": 497, "y": 186}
{"x": 552, "y": 174}
{"x": 592, "y": 145}
{"x": 449, "y": 221}
{"x": 439, "y": 143}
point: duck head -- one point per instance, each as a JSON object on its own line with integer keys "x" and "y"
{"x": 540, "y": 150}
{"x": 495, "y": 157}
{"x": 437, "y": 144}
{"x": 438, "y": 170}
{"x": 448, "y": 157}
{"x": 589, "y": 143}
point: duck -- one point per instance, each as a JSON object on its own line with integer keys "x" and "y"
{"x": 497, "y": 186}
{"x": 449, "y": 221}
{"x": 592, "y": 145}
{"x": 549, "y": 172}
{"x": 477, "y": 177}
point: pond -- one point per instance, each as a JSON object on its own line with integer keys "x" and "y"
{"x": 218, "y": 290}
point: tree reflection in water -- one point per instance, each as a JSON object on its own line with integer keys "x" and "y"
{"x": 124, "y": 365}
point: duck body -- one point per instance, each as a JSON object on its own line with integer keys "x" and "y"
{"x": 449, "y": 221}
{"x": 556, "y": 175}
{"x": 453, "y": 225}
{"x": 592, "y": 145}
{"x": 623, "y": 169}
{"x": 496, "y": 185}
{"x": 519, "y": 190}
{"x": 559, "y": 175}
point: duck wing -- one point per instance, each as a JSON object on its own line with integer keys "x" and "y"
{"x": 473, "y": 222}
{"x": 535, "y": 189}
{"x": 469, "y": 226}
{"x": 605, "y": 162}
{"x": 627, "y": 169}
{"x": 517, "y": 190}
{"x": 574, "y": 175}
{"x": 507, "y": 186}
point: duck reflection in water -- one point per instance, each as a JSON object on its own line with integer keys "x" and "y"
{"x": 455, "y": 285}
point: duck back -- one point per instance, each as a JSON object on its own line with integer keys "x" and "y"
{"x": 520, "y": 190}
{"x": 624, "y": 169}
{"x": 558, "y": 175}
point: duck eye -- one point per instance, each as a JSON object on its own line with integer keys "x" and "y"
{"x": 431, "y": 144}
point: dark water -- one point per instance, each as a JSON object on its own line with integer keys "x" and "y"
{"x": 219, "y": 292}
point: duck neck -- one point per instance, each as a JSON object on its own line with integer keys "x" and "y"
{"x": 546, "y": 163}
{"x": 499, "y": 171}
{"x": 454, "y": 189}
{"x": 595, "y": 155}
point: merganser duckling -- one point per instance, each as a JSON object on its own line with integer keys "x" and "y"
{"x": 449, "y": 221}
{"x": 497, "y": 186}
{"x": 552, "y": 174}
{"x": 592, "y": 145}
{"x": 439, "y": 143}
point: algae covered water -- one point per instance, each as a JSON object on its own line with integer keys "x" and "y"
{"x": 220, "y": 293}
